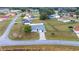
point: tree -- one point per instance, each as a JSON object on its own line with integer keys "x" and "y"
{"x": 43, "y": 16}
{"x": 50, "y": 11}
{"x": 77, "y": 13}
{"x": 44, "y": 12}
{"x": 23, "y": 10}
{"x": 27, "y": 28}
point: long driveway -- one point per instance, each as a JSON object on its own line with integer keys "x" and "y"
{"x": 5, "y": 41}
{"x": 42, "y": 35}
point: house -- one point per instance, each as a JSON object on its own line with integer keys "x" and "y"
{"x": 4, "y": 18}
{"x": 27, "y": 19}
{"x": 63, "y": 20}
{"x": 38, "y": 27}
{"x": 34, "y": 12}
{"x": 53, "y": 16}
{"x": 15, "y": 11}
{"x": 76, "y": 28}
{"x": 11, "y": 14}
{"x": 4, "y": 10}
{"x": 56, "y": 15}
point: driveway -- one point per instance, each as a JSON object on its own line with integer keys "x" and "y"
{"x": 42, "y": 35}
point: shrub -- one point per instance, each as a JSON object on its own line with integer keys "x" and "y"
{"x": 27, "y": 28}
{"x": 52, "y": 33}
{"x": 70, "y": 27}
{"x": 44, "y": 12}
{"x": 22, "y": 15}
{"x": 43, "y": 16}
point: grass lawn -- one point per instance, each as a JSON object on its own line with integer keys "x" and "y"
{"x": 19, "y": 19}
{"x": 40, "y": 48}
{"x": 60, "y": 30}
{"x": 36, "y": 21}
{"x": 17, "y": 33}
{"x": 4, "y": 24}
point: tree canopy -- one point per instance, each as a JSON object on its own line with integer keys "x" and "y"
{"x": 44, "y": 12}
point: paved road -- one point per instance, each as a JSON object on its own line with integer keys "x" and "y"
{"x": 5, "y": 41}
{"x": 39, "y": 42}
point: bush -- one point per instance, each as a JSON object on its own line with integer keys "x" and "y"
{"x": 43, "y": 16}
{"x": 27, "y": 28}
{"x": 22, "y": 15}
{"x": 52, "y": 33}
{"x": 44, "y": 12}
{"x": 70, "y": 26}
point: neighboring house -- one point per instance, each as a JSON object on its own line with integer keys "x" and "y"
{"x": 76, "y": 29}
{"x": 34, "y": 12}
{"x": 11, "y": 14}
{"x": 15, "y": 11}
{"x": 63, "y": 20}
{"x": 27, "y": 20}
{"x": 4, "y": 18}
{"x": 4, "y": 10}
{"x": 54, "y": 16}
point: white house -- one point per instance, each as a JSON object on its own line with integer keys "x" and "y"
{"x": 15, "y": 11}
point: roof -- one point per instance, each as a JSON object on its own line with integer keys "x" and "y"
{"x": 76, "y": 28}
{"x": 26, "y": 21}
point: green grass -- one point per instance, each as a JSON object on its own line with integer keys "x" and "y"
{"x": 4, "y": 24}
{"x": 19, "y": 19}
{"x": 60, "y": 30}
